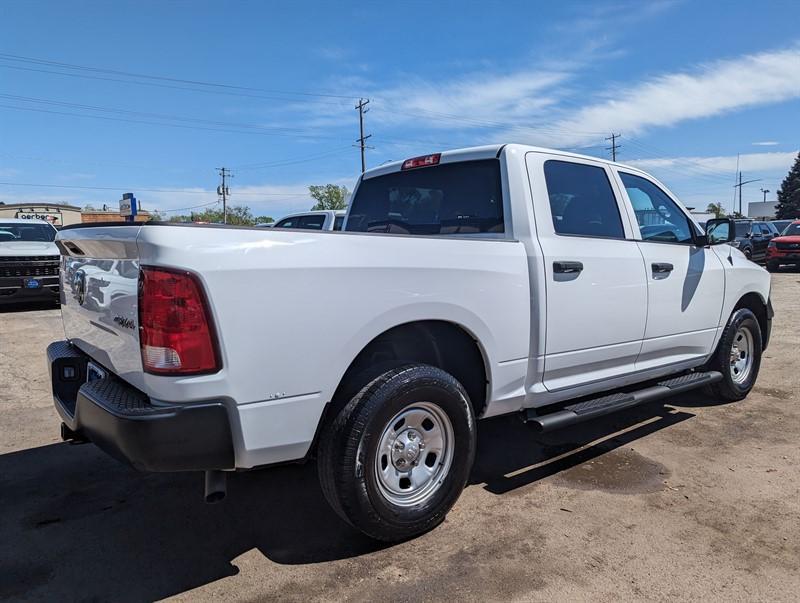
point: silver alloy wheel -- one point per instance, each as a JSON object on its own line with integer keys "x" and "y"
{"x": 741, "y": 359}
{"x": 415, "y": 452}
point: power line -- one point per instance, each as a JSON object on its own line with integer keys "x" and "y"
{"x": 72, "y": 66}
{"x": 282, "y": 162}
{"x": 147, "y": 190}
{"x": 172, "y": 125}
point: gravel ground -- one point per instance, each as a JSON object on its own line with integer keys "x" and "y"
{"x": 686, "y": 500}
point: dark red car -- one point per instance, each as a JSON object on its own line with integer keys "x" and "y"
{"x": 785, "y": 248}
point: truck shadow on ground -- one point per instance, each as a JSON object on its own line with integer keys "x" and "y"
{"x": 75, "y": 521}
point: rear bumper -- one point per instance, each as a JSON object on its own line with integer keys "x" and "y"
{"x": 125, "y": 423}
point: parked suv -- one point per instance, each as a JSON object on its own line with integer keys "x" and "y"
{"x": 753, "y": 237}
{"x": 466, "y": 284}
{"x": 785, "y": 248}
{"x": 29, "y": 260}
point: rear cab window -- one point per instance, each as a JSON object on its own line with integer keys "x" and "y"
{"x": 462, "y": 198}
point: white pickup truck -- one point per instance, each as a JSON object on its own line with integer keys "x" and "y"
{"x": 465, "y": 284}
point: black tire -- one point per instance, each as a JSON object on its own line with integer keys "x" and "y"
{"x": 748, "y": 253}
{"x": 730, "y": 388}
{"x": 349, "y": 460}
{"x": 772, "y": 266}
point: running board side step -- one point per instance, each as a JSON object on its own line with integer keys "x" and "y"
{"x": 604, "y": 405}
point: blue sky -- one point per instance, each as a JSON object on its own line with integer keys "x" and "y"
{"x": 689, "y": 86}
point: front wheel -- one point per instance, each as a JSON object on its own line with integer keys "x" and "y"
{"x": 397, "y": 457}
{"x": 738, "y": 357}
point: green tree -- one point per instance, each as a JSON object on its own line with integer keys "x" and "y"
{"x": 789, "y": 194}
{"x": 264, "y": 220}
{"x": 716, "y": 209}
{"x": 328, "y": 196}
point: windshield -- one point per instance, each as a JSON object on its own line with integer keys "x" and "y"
{"x": 742, "y": 228}
{"x": 450, "y": 199}
{"x": 792, "y": 230}
{"x": 10, "y": 232}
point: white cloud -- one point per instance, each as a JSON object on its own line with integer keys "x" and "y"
{"x": 710, "y": 90}
{"x": 765, "y": 143}
{"x": 541, "y": 100}
{"x": 724, "y": 164}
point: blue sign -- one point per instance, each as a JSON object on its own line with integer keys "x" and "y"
{"x": 127, "y": 206}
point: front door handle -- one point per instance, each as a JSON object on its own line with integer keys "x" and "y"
{"x": 662, "y": 267}
{"x": 567, "y": 267}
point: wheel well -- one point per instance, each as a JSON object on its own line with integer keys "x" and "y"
{"x": 754, "y": 303}
{"x": 438, "y": 343}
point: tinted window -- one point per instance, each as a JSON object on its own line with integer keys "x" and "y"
{"x": 792, "y": 230}
{"x": 312, "y": 222}
{"x": 449, "y": 199}
{"x": 581, "y": 200}
{"x": 27, "y": 232}
{"x": 742, "y": 229}
{"x": 765, "y": 229}
{"x": 337, "y": 223}
{"x": 659, "y": 217}
{"x": 287, "y": 223}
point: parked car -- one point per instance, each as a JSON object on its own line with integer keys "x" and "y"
{"x": 752, "y": 238}
{"x": 466, "y": 284}
{"x": 313, "y": 220}
{"x": 780, "y": 225}
{"x": 29, "y": 260}
{"x": 785, "y": 249}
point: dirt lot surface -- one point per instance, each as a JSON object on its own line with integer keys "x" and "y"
{"x": 686, "y": 500}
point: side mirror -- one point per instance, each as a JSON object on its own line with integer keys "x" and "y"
{"x": 720, "y": 230}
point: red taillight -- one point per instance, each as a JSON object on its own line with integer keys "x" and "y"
{"x": 176, "y": 335}
{"x": 423, "y": 161}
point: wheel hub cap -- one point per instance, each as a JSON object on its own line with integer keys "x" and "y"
{"x": 741, "y": 357}
{"x": 414, "y": 455}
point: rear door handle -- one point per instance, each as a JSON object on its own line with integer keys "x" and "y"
{"x": 662, "y": 267}
{"x": 567, "y": 267}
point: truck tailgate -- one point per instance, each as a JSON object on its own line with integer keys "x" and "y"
{"x": 99, "y": 285}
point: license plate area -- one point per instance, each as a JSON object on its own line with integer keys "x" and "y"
{"x": 94, "y": 372}
{"x": 32, "y": 283}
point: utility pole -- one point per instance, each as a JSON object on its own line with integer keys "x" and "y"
{"x": 765, "y": 191}
{"x": 361, "y": 107}
{"x": 740, "y": 185}
{"x": 614, "y": 146}
{"x": 224, "y": 192}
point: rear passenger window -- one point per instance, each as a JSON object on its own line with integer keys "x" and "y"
{"x": 582, "y": 201}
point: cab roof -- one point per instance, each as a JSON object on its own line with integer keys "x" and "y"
{"x": 483, "y": 152}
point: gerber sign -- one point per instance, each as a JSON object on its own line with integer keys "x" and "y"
{"x": 35, "y": 213}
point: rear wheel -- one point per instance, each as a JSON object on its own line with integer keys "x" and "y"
{"x": 738, "y": 357}
{"x": 398, "y": 455}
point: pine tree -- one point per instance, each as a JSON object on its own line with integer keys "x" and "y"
{"x": 789, "y": 194}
